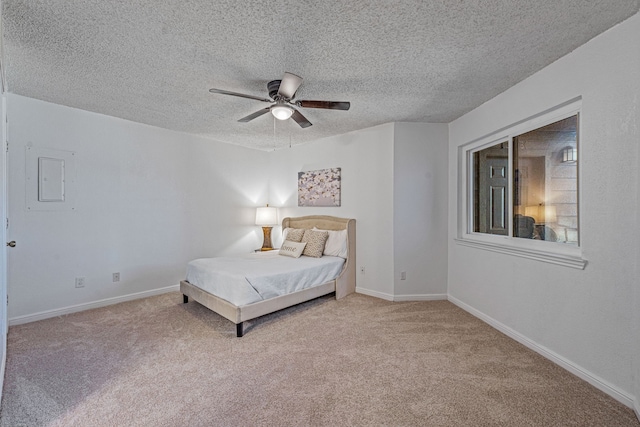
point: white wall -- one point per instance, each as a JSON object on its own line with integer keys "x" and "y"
{"x": 394, "y": 184}
{"x": 636, "y": 305}
{"x": 420, "y": 210}
{"x": 367, "y": 195}
{"x": 148, "y": 201}
{"x": 582, "y": 316}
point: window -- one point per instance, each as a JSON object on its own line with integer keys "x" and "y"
{"x": 522, "y": 188}
{"x": 545, "y": 187}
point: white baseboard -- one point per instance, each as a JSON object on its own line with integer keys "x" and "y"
{"x": 87, "y": 306}
{"x": 570, "y": 366}
{"x": 636, "y": 408}
{"x": 390, "y": 297}
{"x": 421, "y": 297}
{"x": 376, "y": 294}
{"x": 3, "y": 365}
{"x": 397, "y": 298}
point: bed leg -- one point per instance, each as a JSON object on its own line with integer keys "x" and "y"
{"x": 239, "y": 331}
{"x": 185, "y": 299}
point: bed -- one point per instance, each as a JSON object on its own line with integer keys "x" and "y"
{"x": 249, "y": 307}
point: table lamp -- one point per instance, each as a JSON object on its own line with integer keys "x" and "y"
{"x": 542, "y": 213}
{"x": 267, "y": 217}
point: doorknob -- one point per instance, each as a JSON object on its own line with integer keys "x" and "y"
{"x": 11, "y": 244}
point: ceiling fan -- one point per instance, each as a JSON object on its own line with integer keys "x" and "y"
{"x": 281, "y": 93}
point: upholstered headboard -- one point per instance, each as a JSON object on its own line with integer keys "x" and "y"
{"x": 346, "y": 282}
{"x": 323, "y": 222}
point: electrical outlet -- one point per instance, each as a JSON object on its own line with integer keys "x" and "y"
{"x": 79, "y": 282}
{"x": 403, "y": 275}
{"x": 362, "y": 269}
{"x": 116, "y": 277}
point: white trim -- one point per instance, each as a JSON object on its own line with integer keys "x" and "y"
{"x": 550, "y": 257}
{"x": 399, "y": 298}
{"x": 3, "y": 365}
{"x": 421, "y": 297}
{"x": 3, "y": 76}
{"x": 4, "y": 323}
{"x": 636, "y": 408}
{"x": 376, "y": 294}
{"x": 543, "y": 118}
{"x": 88, "y": 306}
{"x": 602, "y": 385}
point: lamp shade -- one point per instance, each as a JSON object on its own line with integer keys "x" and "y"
{"x": 266, "y": 215}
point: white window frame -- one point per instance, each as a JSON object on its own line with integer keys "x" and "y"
{"x": 551, "y": 252}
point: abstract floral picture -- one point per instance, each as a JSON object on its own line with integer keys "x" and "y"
{"x": 319, "y": 188}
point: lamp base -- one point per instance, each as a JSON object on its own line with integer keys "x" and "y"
{"x": 266, "y": 245}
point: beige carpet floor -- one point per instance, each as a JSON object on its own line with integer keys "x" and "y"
{"x": 356, "y": 362}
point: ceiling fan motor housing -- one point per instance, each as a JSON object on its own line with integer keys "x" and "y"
{"x": 273, "y": 86}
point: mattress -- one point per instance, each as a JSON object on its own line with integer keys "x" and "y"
{"x": 259, "y": 276}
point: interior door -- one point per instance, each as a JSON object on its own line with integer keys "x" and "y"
{"x": 494, "y": 184}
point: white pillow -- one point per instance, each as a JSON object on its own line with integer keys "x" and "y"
{"x": 292, "y": 249}
{"x": 336, "y": 243}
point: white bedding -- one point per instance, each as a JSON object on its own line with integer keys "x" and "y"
{"x": 259, "y": 276}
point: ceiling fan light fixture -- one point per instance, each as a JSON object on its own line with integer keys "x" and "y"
{"x": 283, "y": 106}
{"x": 281, "y": 112}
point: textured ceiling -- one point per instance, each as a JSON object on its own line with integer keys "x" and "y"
{"x": 153, "y": 61}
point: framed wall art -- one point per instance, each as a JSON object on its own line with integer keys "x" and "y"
{"x": 319, "y": 187}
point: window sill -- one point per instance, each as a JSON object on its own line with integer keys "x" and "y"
{"x": 550, "y": 257}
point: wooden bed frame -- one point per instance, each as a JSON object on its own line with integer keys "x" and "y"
{"x": 343, "y": 285}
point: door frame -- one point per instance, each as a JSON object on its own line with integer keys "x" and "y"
{"x": 4, "y": 302}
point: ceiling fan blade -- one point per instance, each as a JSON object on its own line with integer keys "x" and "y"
{"x": 254, "y": 115}
{"x": 241, "y": 95}
{"x": 300, "y": 119}
{"x": 329, "y": 105}
{"x": 289, "y": 85}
